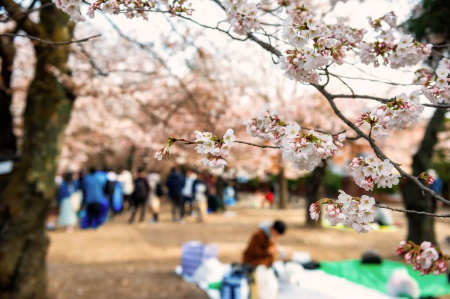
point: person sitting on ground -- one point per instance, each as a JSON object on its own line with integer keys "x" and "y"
{"x": 261, "y": 249}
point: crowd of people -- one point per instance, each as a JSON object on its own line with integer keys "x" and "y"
{"x": 94, "y": 197}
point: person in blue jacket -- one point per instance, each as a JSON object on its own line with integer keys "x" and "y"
{"x": 93, "y": 199}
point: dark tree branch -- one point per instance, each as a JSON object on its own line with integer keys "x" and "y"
{"x": 413, "y": 211}
{"x": 52, "y": 43}
{"x": 17, "y": 14}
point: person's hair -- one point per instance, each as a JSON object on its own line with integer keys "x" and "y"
{"x": 68, "y": 177}
{"x": 92, "y": 170}
{"x": 279, "y": 226}
{"x": 141, "y": 169}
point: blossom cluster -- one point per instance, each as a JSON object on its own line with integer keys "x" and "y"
{"x": 315, "y": 44}
{"x": 399, "y": 113}
{"x": 242, "y": 15}
{"x": 130, "y": 8}
{"x": 427, "y": 178}
{"x": 436, "y": 87}
{"x": 425, "y": 258}
{"x": 72, "y": 8}
{"x": 354, "y": 212}
{"x": 370, "y": 171}
{"x": 164, "y": 153}
{"x": 216, "y": 149}
{"x": 266, "y": 126}
{"x": 307, "y": 150}
{"x": 304, "y": 149}
{"x": 398, "y": 51}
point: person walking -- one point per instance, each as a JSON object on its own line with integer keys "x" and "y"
{"x": 154, "y": 197}
{"x": 175, "y": 185}
{"x": 140, "y": 196}
{"x": 188, "y": 192}
{"x": 110, "y": 187}
{"x": 94, "y": 201}
{"x": 200, "y": 198}
{"x": 126, "y": 181}
{"x": 67, "y": 217}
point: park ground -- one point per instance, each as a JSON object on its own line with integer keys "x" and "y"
{"x": 120, "y": 260}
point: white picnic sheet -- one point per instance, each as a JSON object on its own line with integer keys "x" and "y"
{"x": 320, "y": 285}
{"x": 317, "y": 284}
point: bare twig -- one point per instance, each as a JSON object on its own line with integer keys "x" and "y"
{"x": 374, "y": 80}
{"x": 412, "y": 211}
{"x": 381, "y": 100}
{"x": 258, "y": 145}
{"x": 52, "y": 43}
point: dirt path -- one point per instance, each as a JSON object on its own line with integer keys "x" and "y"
{"x": 137, "y": 261}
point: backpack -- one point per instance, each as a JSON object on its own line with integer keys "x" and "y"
{"x": 159, "y": 190}
{"x": 140, "y": 189}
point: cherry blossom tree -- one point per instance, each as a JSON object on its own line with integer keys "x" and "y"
{"x": 27, "y": 192}
{"x": 313, "y": 48}
{"x": 309, "y": 48}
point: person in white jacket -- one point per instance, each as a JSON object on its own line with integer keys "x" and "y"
{"x": 126, "y": 180}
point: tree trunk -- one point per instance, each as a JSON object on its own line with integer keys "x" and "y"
{"x": 30, "y": 191}
{"x": 312, "y": 191}
{"x": 8, "y": 147}
{"x": 284, "y": 191}
{"x": 421, "y": 228}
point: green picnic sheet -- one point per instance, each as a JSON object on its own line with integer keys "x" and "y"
{"x": 377, "y": 276}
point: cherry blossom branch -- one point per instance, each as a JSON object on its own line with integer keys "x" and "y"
{"x": 52, "y": 43}
{"x": 413, "y": 211}
{"x": 188, "y": 142}
{"x": 330, "y": 98}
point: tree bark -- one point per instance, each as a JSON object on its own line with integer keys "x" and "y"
{"x": 8, "y": 146}
{"x": 421, "y": 228}
{"x": 284, "y": 191}
{"x": 25, "y": 202}
{"x": 312, "y": 191}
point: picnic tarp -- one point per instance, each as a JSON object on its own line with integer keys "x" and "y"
{"x": 312, "y": 287}
{"x": 376, "y": 276}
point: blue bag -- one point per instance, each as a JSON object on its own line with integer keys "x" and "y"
{"x": 235, "y": 286}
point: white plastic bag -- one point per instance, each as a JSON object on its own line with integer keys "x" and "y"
{"x": 401, "y": 283}
{"x": 266, "y": 282}
{"x": 293, "y": 273}
{"x": 210, "y": 271}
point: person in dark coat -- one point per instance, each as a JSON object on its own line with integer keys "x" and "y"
{"x": 261, "y": 249}
{"x": 140, "y": 195}
{"x": 175, "y": 184}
